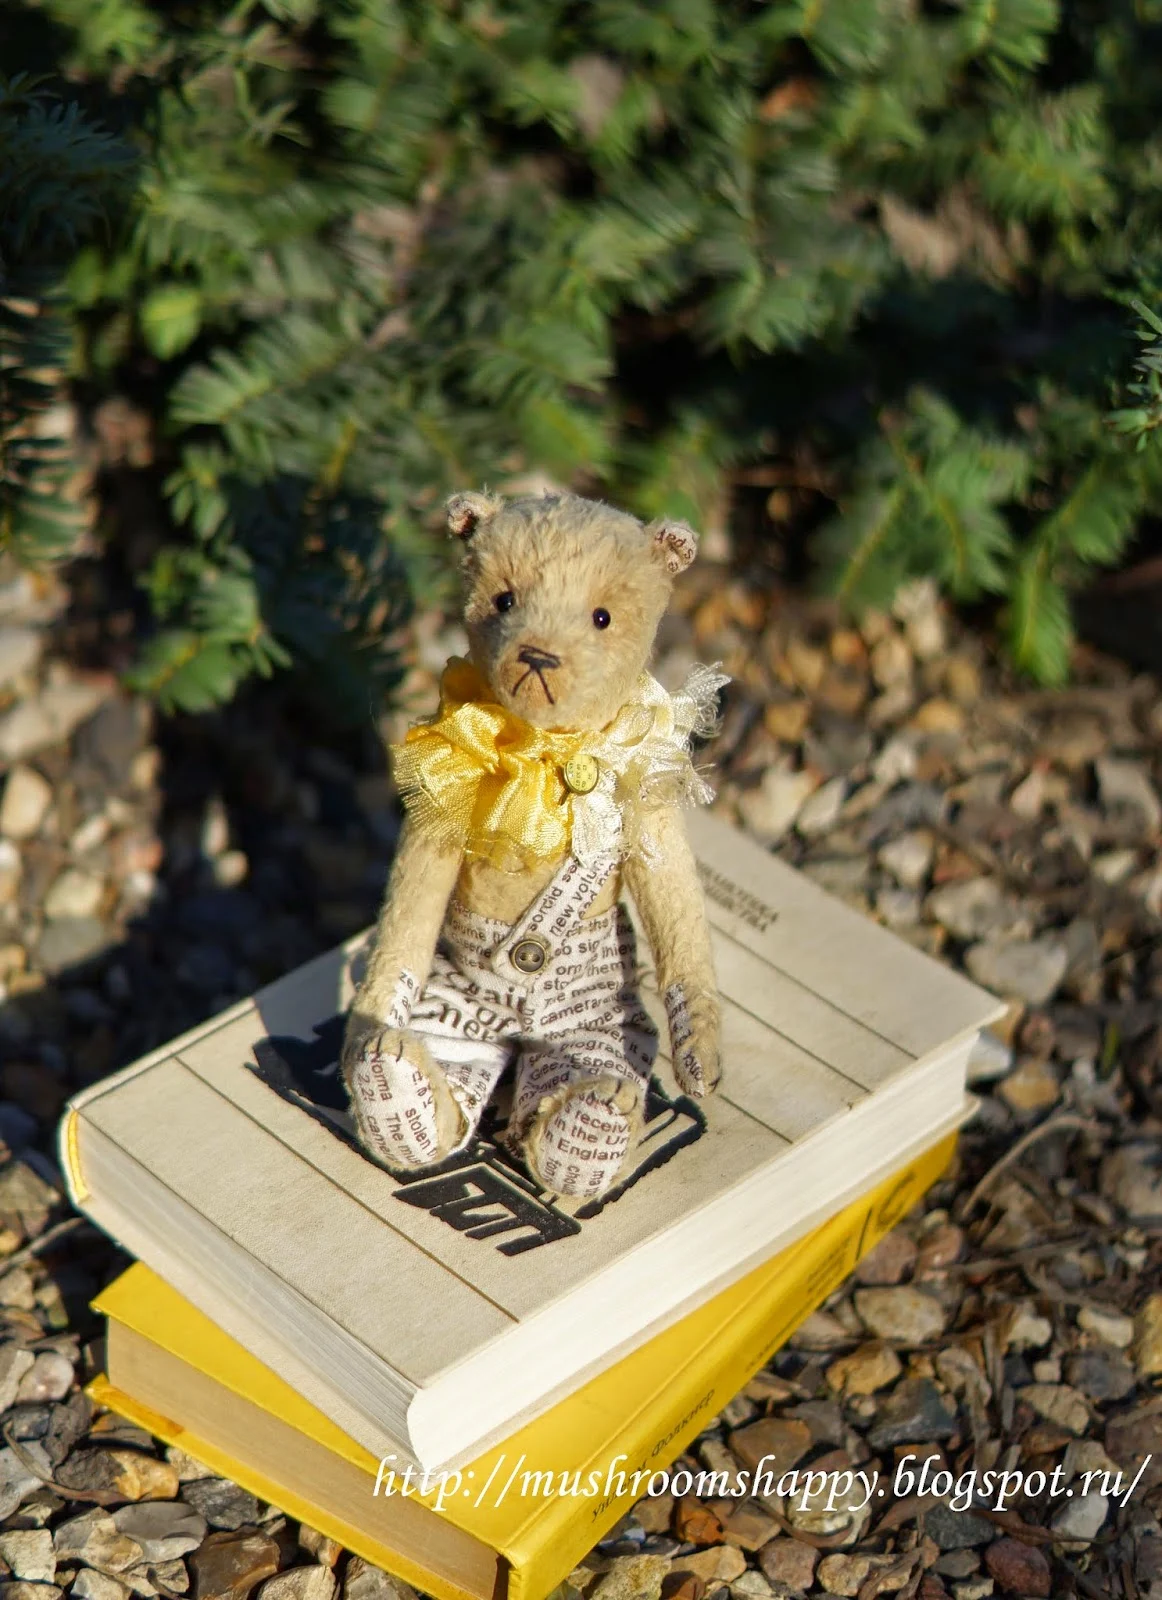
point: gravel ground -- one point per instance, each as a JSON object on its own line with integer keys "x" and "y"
{"x": 152, "y": 873}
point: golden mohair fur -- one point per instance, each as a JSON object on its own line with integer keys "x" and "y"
{"x": 561, "y": 559}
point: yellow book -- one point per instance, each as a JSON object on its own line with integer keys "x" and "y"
{"x": 515, "y": 1521}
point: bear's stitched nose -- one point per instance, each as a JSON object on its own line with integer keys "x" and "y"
{"x": 538, "y": 660}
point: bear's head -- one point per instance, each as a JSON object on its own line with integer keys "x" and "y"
{"x": 564, "y": 597}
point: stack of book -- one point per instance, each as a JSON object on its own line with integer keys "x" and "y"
{"x": 313, "y": 1327}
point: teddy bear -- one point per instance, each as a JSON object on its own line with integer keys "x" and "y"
{"x": 553, "y": 775}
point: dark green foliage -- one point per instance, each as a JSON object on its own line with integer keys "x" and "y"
{"x": 381, "y": 249}
{"x": 57, "y": 171}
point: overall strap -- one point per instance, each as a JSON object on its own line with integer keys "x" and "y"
{"x": 531, "y": 945}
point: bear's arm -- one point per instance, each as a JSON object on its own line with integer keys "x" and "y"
{"x": 669, "y": 898}
{"x": 399, "y": 960}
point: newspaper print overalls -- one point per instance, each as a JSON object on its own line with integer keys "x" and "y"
{"x": 555, "y": 990}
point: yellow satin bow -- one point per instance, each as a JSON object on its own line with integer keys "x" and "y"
{"x": 484, "y": 780}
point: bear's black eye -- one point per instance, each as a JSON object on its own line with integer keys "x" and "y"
{"x": 505, "y": 601}
{"x": 601, "y": 618}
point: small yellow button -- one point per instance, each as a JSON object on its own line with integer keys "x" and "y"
{"x": 581, "y": 773}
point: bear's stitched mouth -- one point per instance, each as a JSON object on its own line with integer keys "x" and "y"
{"x": 543, "y": 682}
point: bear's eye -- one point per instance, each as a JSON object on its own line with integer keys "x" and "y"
{"x": 505, "y": 601}
{"x": 601, "y": 618}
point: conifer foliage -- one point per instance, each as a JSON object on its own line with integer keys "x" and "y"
{"x": 879, "y": 252}
{"x": 57, "y": 172}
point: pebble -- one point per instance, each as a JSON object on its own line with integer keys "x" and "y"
{"x": 1026, "y": 1328}
{"x": 1059, "y": 1403}
{"x": 230, "y": 869}
{"x": 898, "y": 908}
{"x": 222, "y": 1503}
{"x": 1082, "y": 1517}
{"x": 190, "y": 1470}
{"x": 1123, "y": 786}
{"x": 1148, "y": 1337}
{"x": 696, "y": 1523}
{"x": 845, "y": 1574}
{"x": 1114, "y": 866}
{"x": 914, "y": 1413}
{"x": 1133, "y": 1436}
{"x": 1108, "y": 1326}
{"x": 89, "y": 1584}
{"x": 1132, "y": 1177}
{"x": 11, "y": 871}
{"x": 30, "y": 1554}
{"x": 956, "y": 1530}
{"x": 970, "y": 1589}
{"x": 1031, "y": 1089}
{"x": 745, "y": 1523}
{"x": 50, "y": 1377}
{"x": 909, "y": 858}
{"x": 786, "y": 720}
{"x": 16, "y": 1482}
{"x": 17, "y": 1589}
{"x": 889, "y": 1261}
{"x": 917, "y": 606}
{"x": 362, "y": 1581}
{"x": 630, "y": 1578}
{"x": 226, "y": 1566}
{"x": 1025, "y": 969}
{"x": 864, "y": 1371}
{"x": 15, "y": 1362}
{"x": 72, "y": 942}
{"x": 820, "y": 811}
{"x": 974, "y": 908}
{"x": 75, "y": 893}
{"x": 165, "y": 1529}
{"x": 904, "y": 1313}
{"x": 48, "y": 718}
{"x": 19, "y": 652}
{"x": 891, "y": 661}
{"x": 938, "y": 715}
{"x": 820, "y": 1331}
{"x": 128, "y": 1473}
{"x": 653, "y": 1513}
{"x": 312, "y": 1582}
{"x": 164, "y": 1575}
{"x": 770, "y": 810}
{"x": 1020, "y": 1569}
{"x": 110, "y": 739}
{"x": 751, "y": 1586}
{"x": 789, "y": 1563}
{"x": 940, "y": 1248}
{"x": 27, "y": 797}
{"x": 785, "y": 1439}
{"x": 1100, "y": 1375}
{"x": 720, "y": 1564}
{"x": 321, "y": 1546}
{"x": 95, "y": 1539}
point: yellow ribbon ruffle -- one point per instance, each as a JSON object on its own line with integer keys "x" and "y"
{"x": 486, "y": 782}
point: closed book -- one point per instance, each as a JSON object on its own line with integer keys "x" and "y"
{"x": 517, "y": 1519}
{"x": 443, "y": 1308}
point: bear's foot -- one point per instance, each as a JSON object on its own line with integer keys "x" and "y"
{"x": 405, "y": 1114}
{"x": 578, "y": 1140}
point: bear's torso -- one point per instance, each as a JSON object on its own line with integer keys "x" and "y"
{"x": 483, "y": 888}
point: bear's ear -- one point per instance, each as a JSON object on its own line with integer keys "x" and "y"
{"x": 465, "y": 511}
{"x": 675, "y": 542}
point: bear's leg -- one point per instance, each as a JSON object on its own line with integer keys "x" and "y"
{"x": 405, "y": 1113}
{"x": 418, "y": 1092}
{"x": 581, "y": 1133}
{"x": 585, "y": 1063}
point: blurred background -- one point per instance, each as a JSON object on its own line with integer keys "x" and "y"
{"x": 869, "y": 291}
